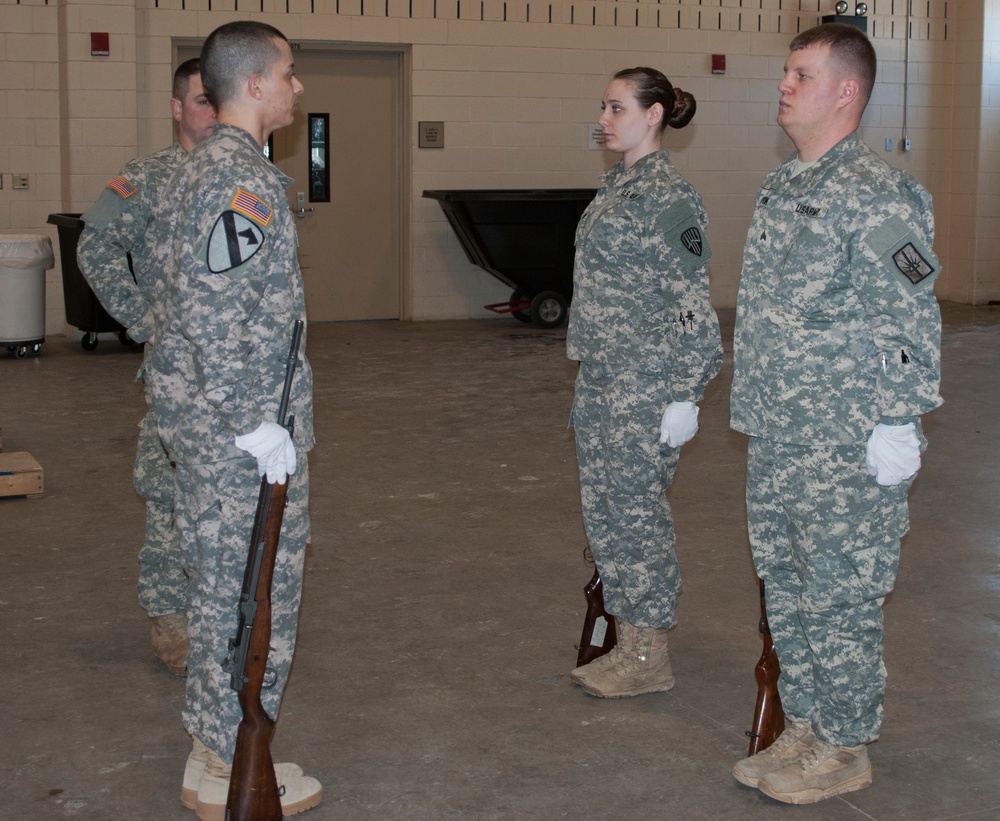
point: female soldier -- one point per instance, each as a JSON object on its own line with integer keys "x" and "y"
{"x": 647, "y": 340}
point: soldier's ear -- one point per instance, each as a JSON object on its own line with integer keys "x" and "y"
{"x": 850, "y": 91}
{"x": 255, "y": 86}
{"x": 654, "y": 114}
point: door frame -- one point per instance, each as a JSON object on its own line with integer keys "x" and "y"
{"x": 404, "y": 53}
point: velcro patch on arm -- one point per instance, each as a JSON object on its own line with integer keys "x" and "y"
{"x": 250, "y": 206}
{"x": 680, "y": 228}
{"x": 122, "y": 187}
{"x": 898, "y": 247}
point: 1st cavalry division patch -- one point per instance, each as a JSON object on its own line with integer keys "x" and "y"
{"x": 234, "y": 239}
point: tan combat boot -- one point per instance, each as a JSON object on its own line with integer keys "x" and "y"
{"x": 795, "y": 739}
{"x": 642, "y": 666}
{"x": 623, "y": 630}
{"x": 822, "y": 771}
{"x": 169, "y": 637}
{"x": 298, "y": 792}
{"x": 194, "y": 769}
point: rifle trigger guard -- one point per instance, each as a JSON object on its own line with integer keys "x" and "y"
{"x": 270, "y": 678}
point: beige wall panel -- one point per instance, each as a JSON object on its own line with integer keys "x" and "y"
{"x": 517, "y": 100}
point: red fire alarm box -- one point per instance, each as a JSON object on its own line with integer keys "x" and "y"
{"x": 718, "y": 64}
{"x": 100, "y": 45}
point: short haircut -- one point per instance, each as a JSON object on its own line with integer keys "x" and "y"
{"x": 651, "y": 86}
{"x": 182, "y": 77}
{"x": 233, "y": 53}
{"x": 850, "y": 50}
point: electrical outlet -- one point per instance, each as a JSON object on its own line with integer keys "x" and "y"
{"x": 906, "y": 143}
{"x": 20, "y": 180}
{"x": 888, "y": 143}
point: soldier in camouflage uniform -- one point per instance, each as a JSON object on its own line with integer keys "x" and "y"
{"x": 117, "y": 232}
{"x": 232, "y": 292}
{"x": 647, "y": 340}
{"x": 837, "y": 354}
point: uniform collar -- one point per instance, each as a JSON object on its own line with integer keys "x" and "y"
{"x": 239, "y": 133}
{"x": 832, "y": 157}
{"x": 243, "y": 135}
{"x": 620, "y": 175}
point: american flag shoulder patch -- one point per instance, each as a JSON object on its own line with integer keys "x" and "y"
{"x": 247, "y": 204}
{"x": 122, "y": 186}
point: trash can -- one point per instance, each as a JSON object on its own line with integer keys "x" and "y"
{"x": 83, "y": 308}
{"x": 524, "y": 238}
{"x": 24, "y": 259}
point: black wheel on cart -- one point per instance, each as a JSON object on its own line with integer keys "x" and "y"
{"x": 21, "y": 352}
{"x": 520, "y": 316}
{"x": 89, "y": 342}
{"x": 548, "y": 309}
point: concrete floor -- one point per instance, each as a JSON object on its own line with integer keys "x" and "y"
{"x": 444, "y": 598}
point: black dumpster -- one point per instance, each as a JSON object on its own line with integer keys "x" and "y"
{"x": 83, "y": 308}
{"x": 523, "y": 237}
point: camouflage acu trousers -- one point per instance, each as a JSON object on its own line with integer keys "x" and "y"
{"x": 825, "y": 540}
{"x": 215, "y": 513}
{"x": 624, "y": 475}
{"x": 163, "y": 585}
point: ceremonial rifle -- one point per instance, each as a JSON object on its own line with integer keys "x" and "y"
{"x": 768, "y": 717}
{"x": 599, "y": 636}
{"x": 253, "y": 787}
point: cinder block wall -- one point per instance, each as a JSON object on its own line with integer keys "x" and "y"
{"x": 518, "y": 86}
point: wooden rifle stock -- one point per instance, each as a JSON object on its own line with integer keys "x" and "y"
{"x": 768, "y": 717}
{"x": 253, "y": 787}
{"x": 599, "y": 636}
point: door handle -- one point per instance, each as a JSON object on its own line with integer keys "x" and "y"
{"x": 300, "y": 202}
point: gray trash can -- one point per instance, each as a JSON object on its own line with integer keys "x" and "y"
{"x": 24, "y": 259}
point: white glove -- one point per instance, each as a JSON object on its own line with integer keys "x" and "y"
{"x": 679, "y": 424}
{"x": 893, "y": 453}
{"x": 272, "y": 447}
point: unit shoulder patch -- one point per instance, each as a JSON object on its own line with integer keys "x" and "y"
{"x": 903, "y": 252}
{"x": 912, "y": 264}
{"x": 691, "y": 239}
{"x": 680, "y": 228}
{"x": 234, "y": 240}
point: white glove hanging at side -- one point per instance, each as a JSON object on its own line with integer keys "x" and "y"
{"x": 679, "y": 424}
{"x": 272, "y": 447}
{"x": 893, "y": 453}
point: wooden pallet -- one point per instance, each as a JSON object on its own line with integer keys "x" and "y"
{"x": 20, "y": 475}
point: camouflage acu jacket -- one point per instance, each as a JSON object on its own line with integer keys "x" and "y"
{"x": 837, "y": 325}
{"x": 640, "y": 283}
{"x": 117, "y": 226}
{"x": 226, "y": 241}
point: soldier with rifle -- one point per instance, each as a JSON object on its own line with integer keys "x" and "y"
{"x": 836, "y": 357}
{"x": 226, "y": 241}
